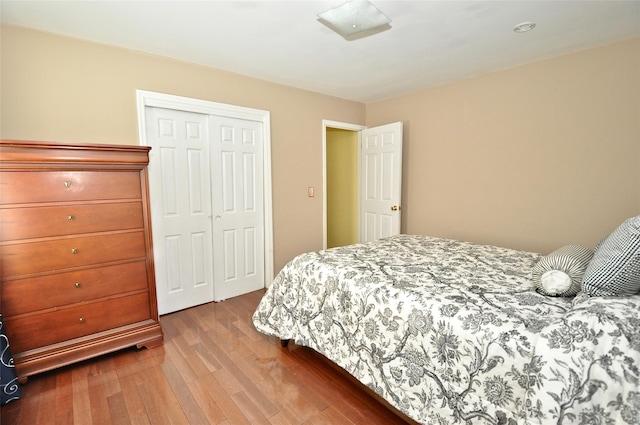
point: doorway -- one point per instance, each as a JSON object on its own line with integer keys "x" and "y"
{"x": 210, "y": 193}
{"x": 334, "y": 132}
{"x": 342, "y": 187}
{"x": 378, "y": 166}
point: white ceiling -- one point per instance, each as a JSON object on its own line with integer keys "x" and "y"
{"x": 429, "y": 42}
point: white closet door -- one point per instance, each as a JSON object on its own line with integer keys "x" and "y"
{"x": 381, "y": 181}
{"x": 180, "y": 192}
{"x": 238, "y": 206}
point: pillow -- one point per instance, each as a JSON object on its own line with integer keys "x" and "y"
{"x": 560, "y": 273}
{"x": 615, "y": 267}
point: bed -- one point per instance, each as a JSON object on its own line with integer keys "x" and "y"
{"x": 449, "y": 332}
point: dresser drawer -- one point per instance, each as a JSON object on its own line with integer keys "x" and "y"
{"x": 39, "y": 293}
{"x": 21, "y": 259}
{"x": 28, "y": 223}
{"x": 17, "y": 187}
{"x": 41, "y": 329}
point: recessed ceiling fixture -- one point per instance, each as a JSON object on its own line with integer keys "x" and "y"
{"x": 355, "y": 19}
{"x": 524, "y": 27}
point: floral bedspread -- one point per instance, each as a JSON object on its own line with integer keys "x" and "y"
{"x": 453, "y": 332}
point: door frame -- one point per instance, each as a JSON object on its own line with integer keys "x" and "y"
{"x": 342, "y": 126}
{"x": 180, "y": 103}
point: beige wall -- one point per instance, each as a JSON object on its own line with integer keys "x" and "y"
{"x": 532, "y": 157}
{"x": 62, "y": 89}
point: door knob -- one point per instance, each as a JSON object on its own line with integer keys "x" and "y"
{"x": 395, "y": 208}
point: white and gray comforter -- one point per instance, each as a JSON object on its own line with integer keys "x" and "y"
{"x": 452, "y": 332}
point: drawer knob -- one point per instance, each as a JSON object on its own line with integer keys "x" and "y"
{"x": 71, "y": 218}
{"x": 67, "y": 184}
{"x": 77, "y": 284}
{"x": 82, "y": 320}
{"x": 74, "y": 250}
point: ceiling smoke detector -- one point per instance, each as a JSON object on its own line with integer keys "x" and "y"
{"x": 355, "y": 19}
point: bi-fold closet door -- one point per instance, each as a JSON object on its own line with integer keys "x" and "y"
{"x": 207, "y": 206}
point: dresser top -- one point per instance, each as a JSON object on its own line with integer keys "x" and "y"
{"x": 22, "y": 151}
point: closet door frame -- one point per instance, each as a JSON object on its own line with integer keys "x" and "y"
{"x": 162, "y": 100}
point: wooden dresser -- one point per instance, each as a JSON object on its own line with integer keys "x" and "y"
{"x": 76, "y": 259}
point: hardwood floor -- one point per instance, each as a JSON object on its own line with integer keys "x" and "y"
{"x": 214, "y": 368}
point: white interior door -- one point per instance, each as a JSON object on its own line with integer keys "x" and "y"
{"x": 180, "y": 193}
{"x": 381, "y": 181}
{"x": 238, "y": 205}
{"x": 210, "y": 191}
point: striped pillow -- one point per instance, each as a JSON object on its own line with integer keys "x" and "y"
{"x": 615, "y": 267}
{"x": 560, "y": 273}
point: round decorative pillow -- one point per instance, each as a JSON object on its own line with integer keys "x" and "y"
{"x": 560, "y": 273}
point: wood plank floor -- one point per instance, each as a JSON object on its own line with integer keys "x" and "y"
{"x": 214, "y": 368}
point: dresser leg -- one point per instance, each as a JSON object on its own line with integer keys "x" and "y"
{"x": 152, "y": 343}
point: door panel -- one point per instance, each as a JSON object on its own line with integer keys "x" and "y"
{"x": 381, "y": 181}
{"x": 238, "y": 233}
{"x": 180, "y": 194}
